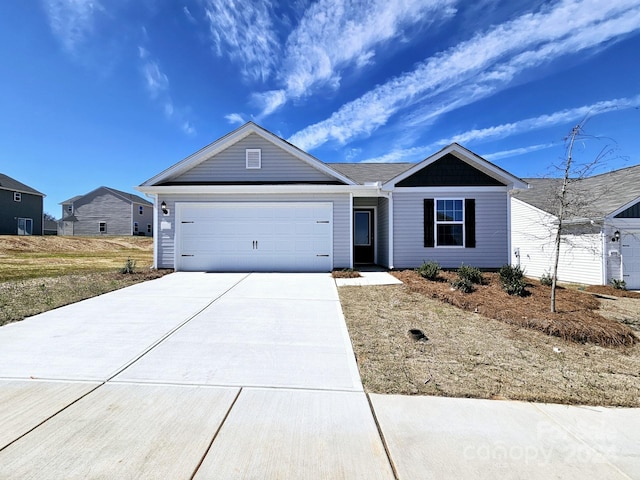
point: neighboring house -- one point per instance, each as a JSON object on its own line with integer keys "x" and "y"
{"x": 251, "y": 201}
{"x": 21, "y": 208}
{"x": 106, "y": 211}
{"x": 602, "y": 240}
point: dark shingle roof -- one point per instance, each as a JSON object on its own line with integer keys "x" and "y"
{"x": 8, "y": 183}
{"x": 370, "y": 172}
{"x": 606, "y": 192}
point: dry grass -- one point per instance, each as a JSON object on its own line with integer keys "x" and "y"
{"x": 577, "y": 318}
{"x": 42, "y": 273}
{"x": 470, "y": 355}
{"x": 24, "y": 257}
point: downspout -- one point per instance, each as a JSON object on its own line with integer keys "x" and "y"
{"x": 351, "y": 230}
{"x": 605, "y": 257}
{"x": 509, "y": 242}
{"x": 391, "y": 214}
{"x": 155, "y": 228}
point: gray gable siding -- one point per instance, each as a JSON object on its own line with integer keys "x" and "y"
{"x": 30, "y": 206}
{"x": 491, "y": 249}
{"x": 230, "y": 166}
{"x": 341, "y": 221}
{"x": 102, "y": 206}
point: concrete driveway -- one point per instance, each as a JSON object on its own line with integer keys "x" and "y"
{"x": 193, "y": 375}
{"x": 228, "y": 376}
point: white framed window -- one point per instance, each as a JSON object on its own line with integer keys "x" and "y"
{"x": 449, "y": 222}
{"x": 141, "y": 210}
{"x": 25, "y": 226}
{"x": 136, "y": 227}
{"x": 253, "y": 158}
{"x": 70, "y": 208}
{"x": 17, "y": 196}
{"x": 149, "y": 228}
{"x": 102, "y": 227}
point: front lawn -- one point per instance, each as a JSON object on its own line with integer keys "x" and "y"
{"x": 468, "y": 354}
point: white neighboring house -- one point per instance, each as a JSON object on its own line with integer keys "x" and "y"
{"x": 602, "y": 242}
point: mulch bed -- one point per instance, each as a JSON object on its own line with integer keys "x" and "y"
{"x": 576, "y": 316}
{"x": 346, "y": 273}
{"x": 612, "y": 292}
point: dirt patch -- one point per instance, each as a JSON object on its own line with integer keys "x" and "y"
{"x": 577, "y": 318}
{"x": 469, "y": 355}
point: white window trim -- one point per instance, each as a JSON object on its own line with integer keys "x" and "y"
{"x": 100, "y": 225}
{"x": 17, "y": 196}
{"x": 141, "y": 209}
{"x": 437, "y": 222}
{"x": 251, "y": 162}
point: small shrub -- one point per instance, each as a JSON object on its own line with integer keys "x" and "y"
{"x": 429, "y": 270}
{"x": 618, "y": 284}
{"x": 129, "y": 266}
{"x": 463, "y": 284}
{"x": 472, "y": 274}
{"x": 512, "y": 280}
{"x": 546, "y": 279}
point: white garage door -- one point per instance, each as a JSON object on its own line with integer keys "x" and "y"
{"x": 254, "y": 237}
{"x": 630, "y": 251}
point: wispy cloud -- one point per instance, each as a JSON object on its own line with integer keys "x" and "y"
{"x": 234, "y": 118}
{"x": 243, "y": 30}
{"x": 189, "y": 15}
{"x": 72, "y": 21}
{"x": 157, "y": 84}
{"x": 479, "y": 67}
{"x": 514, "y": 128}
{"x": 518, "y": 151}
{"x": 337, "y": 34}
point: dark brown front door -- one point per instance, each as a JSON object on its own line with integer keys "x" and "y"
{"x": 363, "y": 241}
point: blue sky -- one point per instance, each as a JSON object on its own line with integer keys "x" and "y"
{"x": 111, "y": 92}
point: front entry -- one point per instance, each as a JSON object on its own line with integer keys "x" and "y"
{"x": 363, "y": 237}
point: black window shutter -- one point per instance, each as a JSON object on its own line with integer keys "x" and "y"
{"x": 429, "y": 221}
{"x": 470, "y": 222}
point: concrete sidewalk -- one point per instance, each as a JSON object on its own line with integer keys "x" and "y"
{"x": 199, "y": 375}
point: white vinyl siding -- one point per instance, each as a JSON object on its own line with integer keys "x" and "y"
{"x": 491, "y": 249}
{"x": 533, "y": 235}
{"x": 276, "y": 165}
{"x": 341, "y": 221}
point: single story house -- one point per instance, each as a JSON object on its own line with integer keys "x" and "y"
{"x": 106, "y": 211}
{"x": 21, "y": 208}
{"x": 251, "y": 201}
{"x": 602, "y": 239}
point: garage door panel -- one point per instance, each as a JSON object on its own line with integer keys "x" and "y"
{"x": 267, "y": 236}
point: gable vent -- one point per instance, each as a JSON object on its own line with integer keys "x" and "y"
{"x": 254, "y": 158}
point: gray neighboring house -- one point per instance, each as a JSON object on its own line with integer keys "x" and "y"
{"x": 21, "y": 208}
{"x": 251, "y": 201}
{"x": 106, "y": 211}
{"x": 601, "y": 243}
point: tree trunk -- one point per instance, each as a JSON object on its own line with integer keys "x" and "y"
{"x": 561, "y": 213}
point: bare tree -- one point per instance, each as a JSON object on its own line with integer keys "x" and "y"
{"x": 572, "y": 200}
